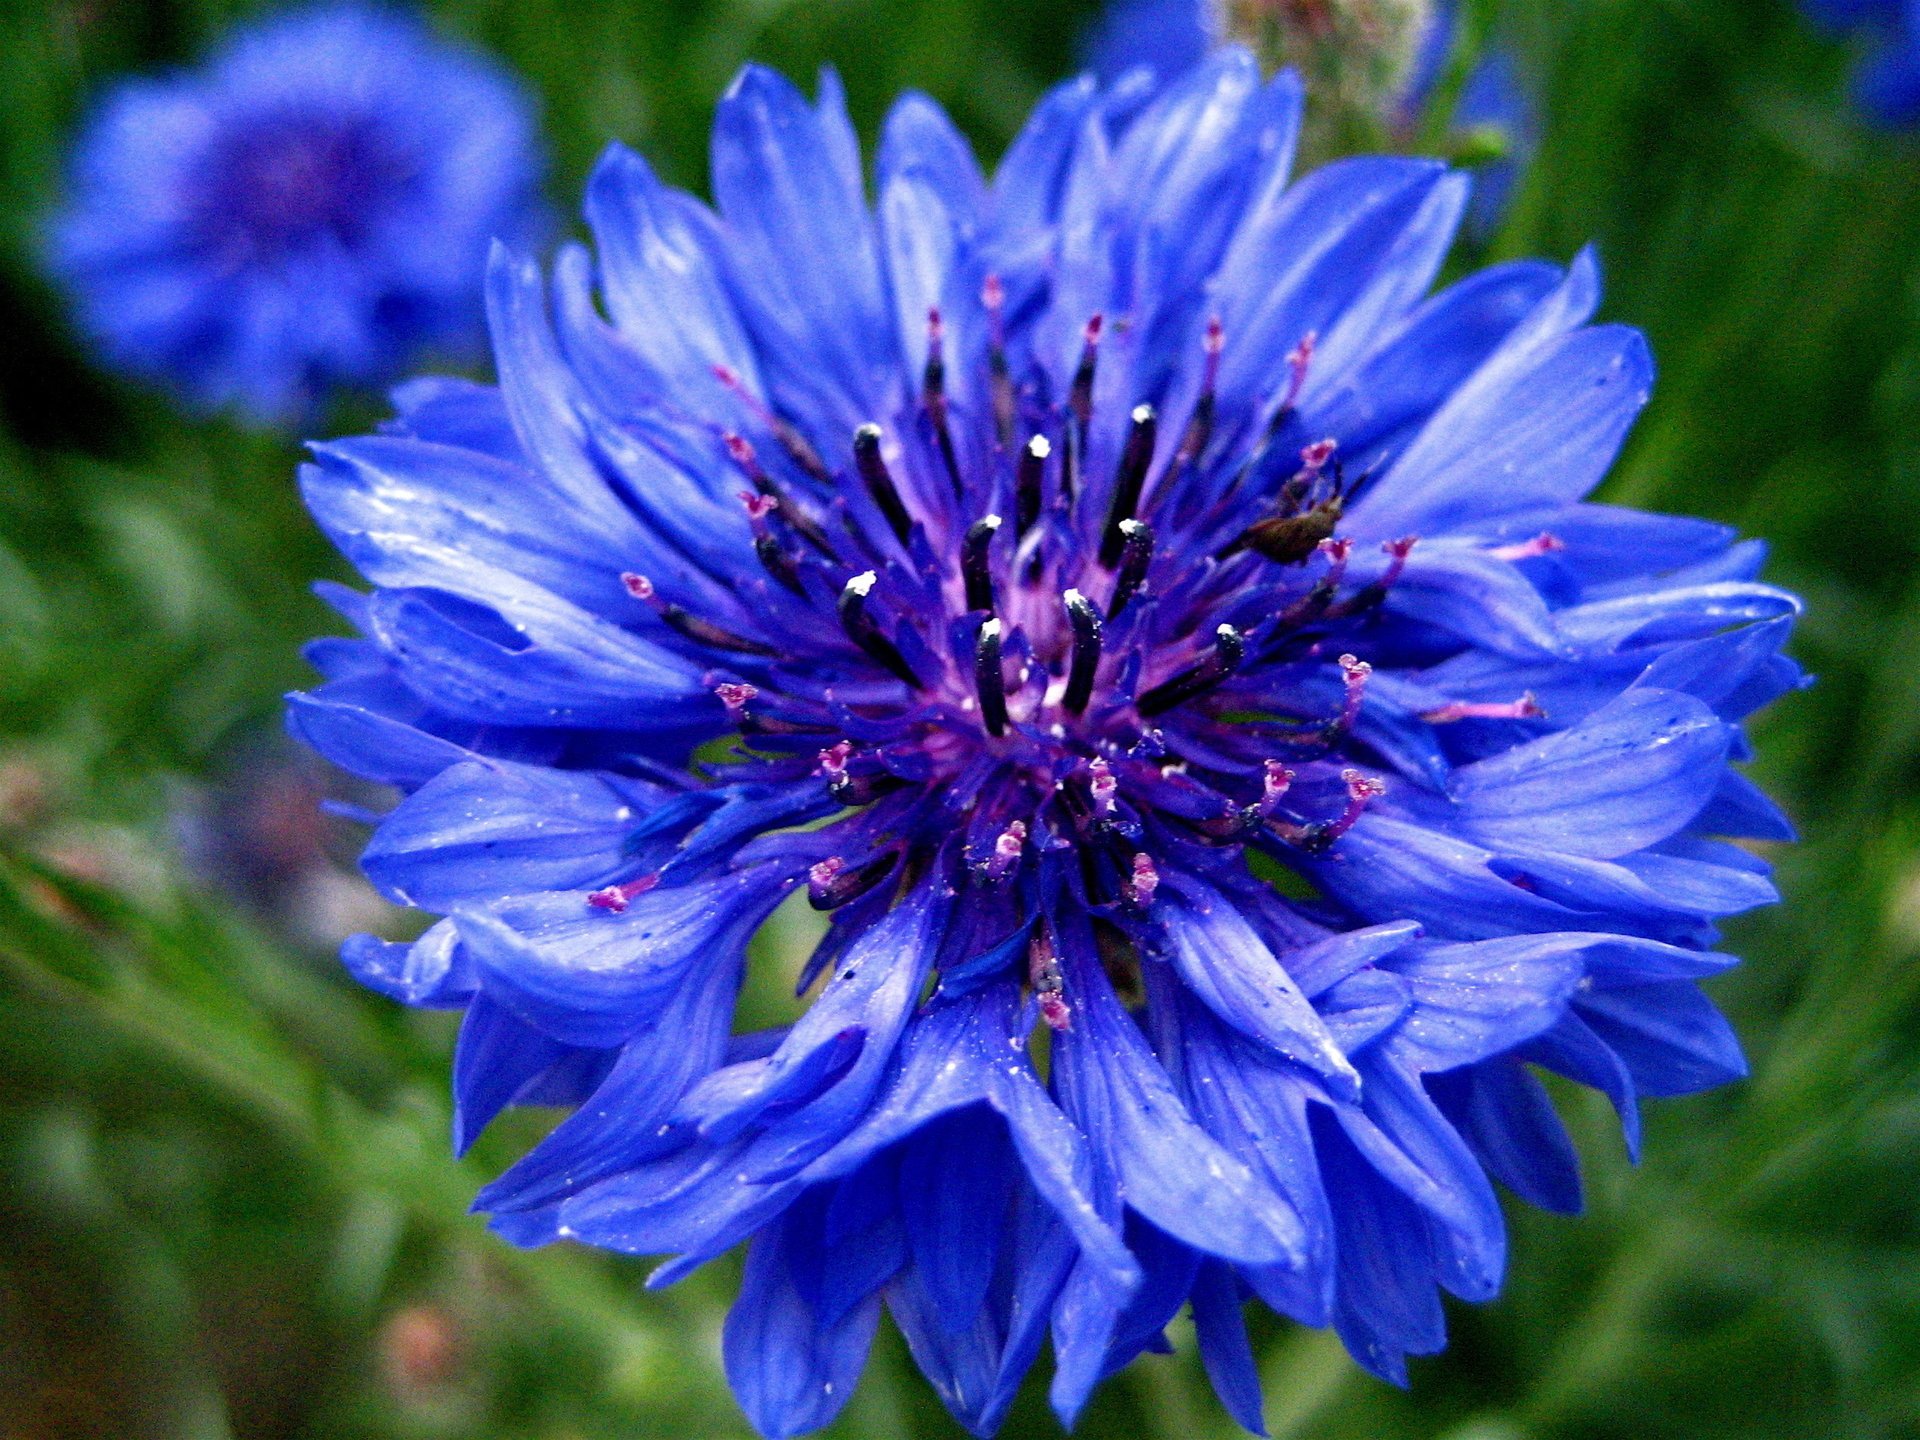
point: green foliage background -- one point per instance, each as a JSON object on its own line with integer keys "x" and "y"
{"x": 226, "y": 1204}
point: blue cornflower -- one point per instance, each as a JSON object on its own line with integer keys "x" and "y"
{"x": 312, "y": 207}
{"x": 1028, "y": 572}
{"x": 1886, "y": 85}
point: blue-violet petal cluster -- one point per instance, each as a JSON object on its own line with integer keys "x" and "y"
{"x": 1169, "y": 642}
{"x": 312, "y": 207}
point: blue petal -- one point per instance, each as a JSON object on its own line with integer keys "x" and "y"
{"x": 1505, "y": 1114}
{"x": 1229, "y": 967}
{"x": 1302, "y": 255}
{"x": 808, "y": 266}
{"x": 1538, "y": 423}
{"x": 1628, "y": 776}
{"x": 485, "y": 826}
{"x": 1672, "y": 1039}
{"x": 433, "y": 971}
{"x": 364, "y": 743}
{"x": 1224, "y": 1348}
{"x": 664, "y": 283}
{"x": 409, "y": 513}
{"x": 593, "y": 978}
{"x": 626, "y": 1120}
{"x": 548, "y": 664}
{"x": 1385, "y": 1305}
{"x": 1472, "y": 1001}
{"x": 1413, "y": 369}
{"x": 790, "y": 1373}
{"x": 1168, "y": 1168}
{"x": 497, "y": 1057}
{"x": 1412, "y": 1145}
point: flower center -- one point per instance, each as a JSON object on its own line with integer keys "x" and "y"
{"x": 288, "y": 180}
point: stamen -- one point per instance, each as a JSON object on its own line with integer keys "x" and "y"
{"x": 974, "y": 566}
{"x": 790, "y": 439}
{"x": 1140, "y": 888}
{"x": 1033, "y": 464}
{"x": 833, "y": 760}
{"x": 830, "y": 884}
{"x": 677, "y": 618}
{"x": 1298, "y": 360}
{"x": 1273, "y": 788}
{"x": 1368, "y": 596}
{"x": 1007, "y": 849}
{"x": 1353, "y": 674}
{"x": 1128, "y": 481}
{"x": 872, "y": 466}
{"x": 1104, "y": 788}
{"x": 1314, "y": 457}
{"x": 1080, "y": 408}
{"x": 987, "y": 679}
{"x": 741, "y": 451}
{"x": 1362, "y": 790}
{"x": 1318, "y": 837}
{"x": 865, "y": 631}
{"x": 774, "y": 558}
{"x": 1525, "y": 708}
{"x": 1043, "y": 973}
{"x": 993, "y": 296}
{"x": 736, "y": 698}
{"x": 1544, "y": 543}
{"x": 1085, "y": 622}
{"x": 615, "y": 899}
{"x": 933, "y": 395}
{"x": 1230, "y": 648}
{"x": 1135, "y": 556}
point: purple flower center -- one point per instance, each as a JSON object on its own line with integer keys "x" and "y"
{"x": 291, "y": 180}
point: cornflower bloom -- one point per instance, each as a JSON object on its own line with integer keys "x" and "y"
{"x": 311, "y": 207}
{"x": 1169, "y": 644}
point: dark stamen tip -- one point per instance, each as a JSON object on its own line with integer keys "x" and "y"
{"x": 1129, "y": 481}
{"x": 872, "y": 466}
{"x": 1229, "y": 650}
{"x": 1136, "y": 555}
{"x": 975, "y": 568}
{"x": 865, "y": 631}
{"x": 988, "y": 681}
{"x": 1086, "y": 625}
{"x": 1027, "y": 482}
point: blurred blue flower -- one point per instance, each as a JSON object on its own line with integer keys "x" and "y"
{"x": 1887, "y": 83}
{"x": 1027, "y": 571}
{"x": 311, "y": 207}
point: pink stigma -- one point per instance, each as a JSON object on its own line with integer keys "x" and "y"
{"x": 1525, "y": 708}
{"x": 1139, "y": 890}
{"x": 614, "y": 899}
{"x": 1007, "y": 849}
{"x": 833, "y": 759}
{"x": 1298, "y": 359}
{"x": 1396, "y": 552}
{"x": 1362, "y": 790}
{"x": 1055, "y": 1010}
{"x": 1273, "y": 788}
{"x": 1541, "y": 544}
{"x": 638, "y": 586}
{"x": 1353, "y": 673}
{"x": 1314, "y": 457}
{"x": 735, "y": 697}
{"x": 1105, "y": 788}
